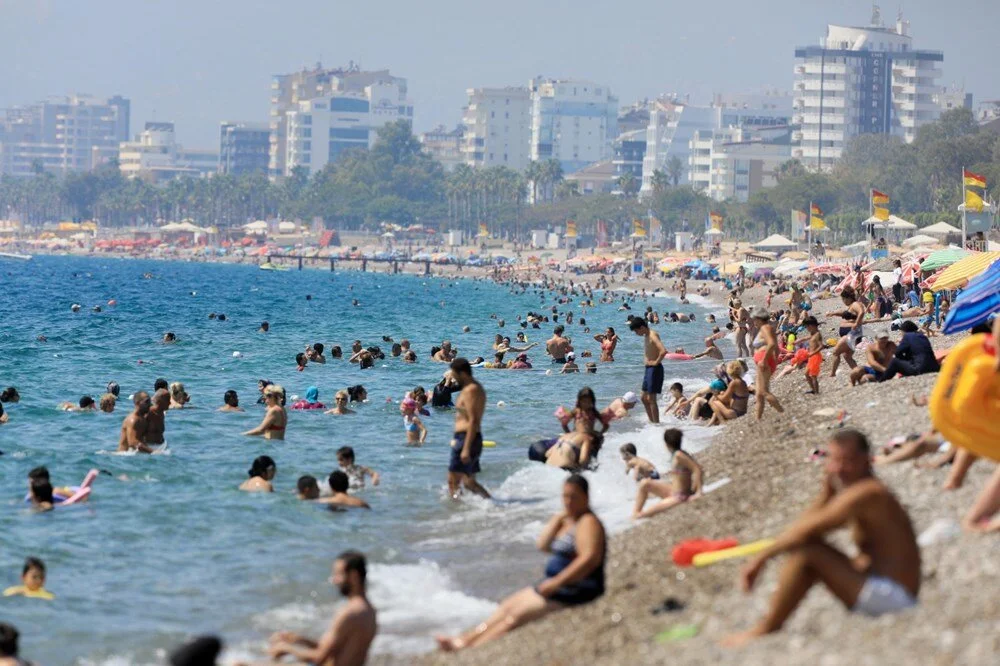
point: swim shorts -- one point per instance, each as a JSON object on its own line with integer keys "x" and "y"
{"x": 652, "y": 381}
{"x": 814, "y": 364}
{"x": 475, "y": 450}
{"x": 927, "y": 320}
{"x": 654, "y": 475}
{"x": 880, "y": 595}
{"x": 801, "y": 356}
{"x": 758, "y": 358}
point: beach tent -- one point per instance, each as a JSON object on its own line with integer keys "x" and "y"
{"x": 713, "y": 232}
{"x": 286, "y": 227}
{"x": 920, "y": 239}
{"x": 942, "y": 258}
{"x": 894, "y": 223}
{"x": 775, "y": 242}
{"x": 976, "y": 303}
{"x": 964, "y": 269}
{"x": 940, "y": 229}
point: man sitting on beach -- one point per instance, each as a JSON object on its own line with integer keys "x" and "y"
{"x": 884, "y": 578}
{"x": 878, "y": 356}
{"x": 352, "y": 630}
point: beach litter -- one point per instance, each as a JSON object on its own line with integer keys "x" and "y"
{"x": 678, "y": 632}
{"x": 942, "y": 529}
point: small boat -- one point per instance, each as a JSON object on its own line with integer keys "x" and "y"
{"x": 267, "y": 266}
{"x": 11, "y": 255}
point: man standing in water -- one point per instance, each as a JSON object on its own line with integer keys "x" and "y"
{"x": 352, "y": 630}
{"x": 557, "y": 347}
{"x": 156, "y": 423}
{"x": 652, "y": 381}
{"x": 136, "y": 425}
{"x": 884, "y": 578}
{"x": 467, "y": 445}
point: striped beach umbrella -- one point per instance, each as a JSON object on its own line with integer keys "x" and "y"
{"x": 975, "y": 305}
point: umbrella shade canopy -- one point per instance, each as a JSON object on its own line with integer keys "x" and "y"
{"x": 893, "y": 222}
{"x": 975, "y": 305}
{"x": 964, "y": 269}
{"x": 940, "y": 229}
{"x": 774, "y": 242}
{"x": 713, "y": 232}
{"x": 920, "y": 239}
{"x": 943, "y": 258}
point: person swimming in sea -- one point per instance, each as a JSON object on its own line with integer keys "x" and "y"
{"x": 340, "y": 404}
{"x": 32, "y": 581}
{"x": 643, "y": 468}
{"x": 340, "y": 483}
{"x": 40, "y": 493}
{"x": 261, "y": 472}
{"x": 356, "y": 473}
{"x": 231, "y": 402}
{"x": 275, "y": 419}
{"x": 416, "y": 431}
{"x": 86, "y": 404}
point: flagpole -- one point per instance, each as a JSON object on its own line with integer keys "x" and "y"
{"x": 964, "y": 208}
{"x": 809, "y": 227}
{"x": 871, "y": 213}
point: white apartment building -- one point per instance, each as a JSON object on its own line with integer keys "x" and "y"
{"x": 574, "y": 122}
{"x": 63, "y": 134}
{"x": 288, "y": 90}
{"x": 497, "y": 127}
{"x": 445, "y": 146}
{"x": 156, "y": 156}
{"x": 861, "y": 81}
{"x": 320, "y": 129}
{"x": 734, "y": 162}
{"x": 673, "y": 125}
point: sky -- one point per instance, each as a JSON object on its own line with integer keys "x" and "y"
{"x": 197, "y": 63}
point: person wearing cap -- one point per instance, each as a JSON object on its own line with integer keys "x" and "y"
{"x": 878, "y": 356}
{"x": 914, "y": 355}
{"x": 927, "y": 313}
{"x": 619, "y": 407}
{"x": 652, "y": 381}
{"x": 571, "y": 365}
{"x": 766, "y": 359}
{"x": 521, "y": 363}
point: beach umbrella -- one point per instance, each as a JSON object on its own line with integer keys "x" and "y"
{"x": 943, "y": 258}
{"x": 964, "y": 269}
{"x": 976, "y": 303}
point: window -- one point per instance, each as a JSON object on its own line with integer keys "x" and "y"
{"x": 307, "y": 119}
{"x": 357, "y": 134}
{"x": 349, "y": 104}
{"x": 493, "y": 114}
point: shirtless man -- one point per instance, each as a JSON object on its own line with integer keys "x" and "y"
{"x": 878, "y": 356}
{"x": 156, "y": 424}
{"x": 352, "y": 630}
{"x": 711, "y": 350}
{"x": 557, "y": 346}
{"x": 619, "y": 407}
{"x": 652, "y": 381}
{"x": 339, "y": 484}
{"x": 467, "y": 445}
{"x": 135, "y": 426}
{"x": 446, "y": 354}
{"x": 884, "y": 578}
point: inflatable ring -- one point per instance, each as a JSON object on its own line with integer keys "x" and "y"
{"x": 678, "y": 357}
{"x": 966, "y": 398}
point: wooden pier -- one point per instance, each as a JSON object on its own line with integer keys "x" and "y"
{"x": 363, "y": 261}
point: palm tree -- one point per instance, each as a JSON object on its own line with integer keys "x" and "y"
{"x": 675, "y": 170}
{"x": 660, "y": 180}
{"x": 552, "y": 175}
{"x": 567, "y": 189}
{"x": 628, "y": 184}
{"x": 534, "y": 174}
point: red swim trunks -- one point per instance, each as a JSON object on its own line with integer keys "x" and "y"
{"x": 759, "y": 357}
{"x": 814, "y": 365}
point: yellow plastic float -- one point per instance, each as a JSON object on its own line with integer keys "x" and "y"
{"x": 752, "y": 548}
{"x": 965, "y": 402}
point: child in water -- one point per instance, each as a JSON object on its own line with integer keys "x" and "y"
{"x": 643, "y": 468}
{"x": 356, "y": 473}
{"x": 416, "y": 433}
{"x": 33, "y": 581}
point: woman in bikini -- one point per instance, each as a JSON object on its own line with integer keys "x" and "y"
{"x": 275, "y": 419}
{"x": 851, "y": 331}
{"x": 766, "y": 359}
{"x": 574, "y": 450}
{"x": 734, "y": 402}
{"x": 684, "y": 480}
{"x": 741, "y": 318}
{"x": 608, "y": 340}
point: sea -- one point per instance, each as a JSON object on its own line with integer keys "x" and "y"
{"x": 167, "y": 547}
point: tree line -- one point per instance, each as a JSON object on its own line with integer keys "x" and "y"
{"x": 397, "y": 181}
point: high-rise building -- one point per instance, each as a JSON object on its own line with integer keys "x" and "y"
{"x": 75, "y": 133}
{"x": 244, "y": 148}
{"x": 673, "y": 125}
{"x": 156, "y": 156}
{"x": 734, "y": 162}
{"x": 861, "y": 81}
{"x": 445, "y": 145}
{"x": 572, "y": 121}
{"x": 289, "y": 90}
{"x": 324, "y": 127}
{"x": 497, "y": 127}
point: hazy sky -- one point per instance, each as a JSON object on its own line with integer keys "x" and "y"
{"x": 200, "y": 62}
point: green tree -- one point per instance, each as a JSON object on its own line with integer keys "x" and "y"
{"x": 675, "y": 170}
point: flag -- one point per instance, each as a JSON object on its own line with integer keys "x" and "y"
{"x": 973, "y": 202}
{"x": 716, "y": 219}
{"x": 638, "y": 229}
{"x": 879, "y": 198}
{"x": 483, "y": 231}
{"x": 973, "y": 179}
{"x": 816, "y": 222}
{"x": 881, "y": 213}
{"x": 570, "y": 229}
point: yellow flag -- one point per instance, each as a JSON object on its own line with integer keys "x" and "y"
{"x": 973, "y": 202}
{"x": 483, "y": 231}
{"x": 637, "y": 228}
{"x": 881, "y": 213}
{"x": 570, "y": 229}
{"x": 816, "y": 222}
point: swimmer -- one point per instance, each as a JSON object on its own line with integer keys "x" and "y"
{"x": 409, "y": 356}
{"x": 276, "y": 419}
{"x": 684, "y": 484}
{"x": 169, "y": 338}
{"x": 339, "y": 484}
{"x": 232, "y": 402}
{"x": 643, "y": 468}
{"x": 40, "y": 493}
{"x": 32, "y": 581}
{"x": 340, "y": 404}
{"x": 356, "y": 473}
{"x": 300, "y": 362}
{"x": 570, "y": 366}
{"x": 156, "y": 424}
{"x": 135, "y": 426}
{"x": 262, "y": 470}
{"x": 336, "y": 352}
{"x": 307, "y": 488}
{"x": 160, "y": 383}
{"x": 416, "y": 432}
{"x": 178, "y": 396}
{"x": 314, "y": 353}
{"x": 357, "y": 393}
{"x": 446, "y": 354}
{"x": 264, "y": 327}
{"x": 108, "y": 401}
{"x": 86, "y": 404}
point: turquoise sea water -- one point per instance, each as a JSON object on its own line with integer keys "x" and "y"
{"x": 168, "y": 547}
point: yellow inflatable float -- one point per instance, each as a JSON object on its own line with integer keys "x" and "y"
{"x": 965, "y": 402}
